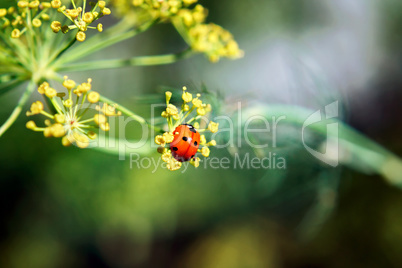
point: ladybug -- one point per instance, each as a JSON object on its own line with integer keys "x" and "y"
{"x": 185, "y": 142}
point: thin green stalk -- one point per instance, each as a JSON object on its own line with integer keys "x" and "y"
{"x": 61, "y": 52}
{"x": 17, "y": 110}
{"x": 355, "y": 150}
{"x": 104, "y": 41}
{"x": 30, "y": 39}
{"x": 135, "y": 61}
{"x": 129, "y": 113}
{"x": 123, "y": 109}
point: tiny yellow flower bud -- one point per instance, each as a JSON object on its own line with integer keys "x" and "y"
{"x": 45, "y": 16}
{"x": 16, "y": 21}
{"x": 48, "y": 123}
{"x": 3, "y": 12}
{"x": 187, "y": 17}
{"x": 101, "y": 4}
{"x": 47, "y": 132}
{"x": 99, "y": 27}
{"x": 186, "y": 107}
{"x": 196, "y": 125}
{"x": 88, "y": 17}
{"x": 187, "y": 97}
{"x": 55, "y": 26}
{"x": 93, "y": 97}
{"x": 68, "y": 103}
{"x": 46, "y": 4}
{"x": 65, "y": 141}
{"x": 84, "y": 87}
{"x": 168, "y": 95}
{"x": 56, "y": 3}
{"x": 197, "y": 102}
{"x": 36, "y": 23}
{"x": 173, "y": 164}
{"x": 92, "y": 135}
{"x": 34, "y": 4}
{"x": 208, "y": 108}
{"x": 195, "y": 162}
{"x": 15, "y": 33}
{"x": 50, "y": 92}
{"x": 100, "y": 119}
{"x": 137, "y": 3}
{"x": 160, "y": 140}
{"x": 203, "y": 139}
{"x": 105, "y": 127}
{"x": 81, "y": 140}
{"x": 22, "y": 4}
{"x": 68, "y": 83}
{"x": 31, "y": 125}
{"x": 171, "y": 110}
{"x": 96, "y": 14}
{"x": 201, "y": 111}
{"x": 59, "y": 118}
{"x": 6, "y": 22}
{"x": 73, "y": 13}
{"x": 205, "y": 151}
{"x": 42, "y": 87}
{"x": 166, "y": 156}
{"x": 36, "y": 108}
{"x": 58, "y": 130}
{"x": 168, "y": 137}
{"x": 61, "y": 9}
{"x": 106, "y": 11}
{"x": 80, "y": 36}
{"x": 212, "y": 143}
{"x": 108, "y": 110}
{"x": 82, "y": 26}
{"x": 189, "y": 2}
{"x": 213, "y": 127}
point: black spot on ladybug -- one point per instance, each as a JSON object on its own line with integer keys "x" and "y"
{"x": 175, "y": 148}
{"x": 193, "y": 156}
{"x": 195, "y": 143}
{"x": 185, "y": 138}
{"x": 192, "y": 129}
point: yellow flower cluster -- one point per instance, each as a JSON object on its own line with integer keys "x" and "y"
{"x": 156, "y": 9}
{"x": 27, "y": 14}
{"x": 191, "y": 106}
{"x": 207, "y": 38}
{"x": 79, "y": 18}
{"x": 210, "y": 38}
{"x": 68, "y": 122}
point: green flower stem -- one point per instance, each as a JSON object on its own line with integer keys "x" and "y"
{"x": 101, "y": 41}
{"x": 355, "y": 150}
{"x": 135, "y": 61}
{"x": 17, "y": 110}
{"x": 129, "y": 113}
{"x": 61, "y": 52}
{"x": 147, "y": 149}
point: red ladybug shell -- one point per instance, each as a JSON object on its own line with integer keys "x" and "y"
{"x": 185, "y": 142}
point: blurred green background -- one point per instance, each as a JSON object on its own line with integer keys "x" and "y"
{"x": 68, "y": 207}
